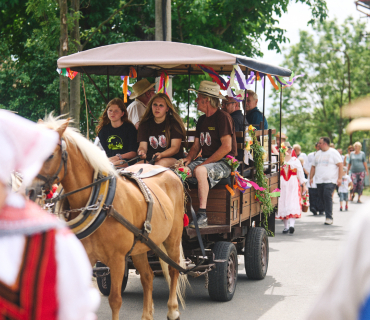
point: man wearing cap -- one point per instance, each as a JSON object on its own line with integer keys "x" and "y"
{"x": 232, "y": 107}
{"x": 215, "y": 137}
{"x": 254, "y": 116}
{"x": 44, "y": 269}
{"x": 143, "y": 91}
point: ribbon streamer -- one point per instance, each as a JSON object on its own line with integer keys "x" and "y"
{"x": 67, "y": 72}
{"x": 273, "y": 82}
{"x": 214, "y": 75}
{"x": 126, "y": 92}
{"x": 163, "y": 83}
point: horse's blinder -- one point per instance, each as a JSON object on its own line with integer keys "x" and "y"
{"x": 63, "y": 162}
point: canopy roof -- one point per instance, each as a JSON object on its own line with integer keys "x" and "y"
{"x": 150, "y": 57}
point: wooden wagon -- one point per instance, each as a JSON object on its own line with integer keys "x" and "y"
{"x": 234, "y": 220}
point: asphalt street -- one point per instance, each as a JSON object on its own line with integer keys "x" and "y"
{"x": 299, "y": 267}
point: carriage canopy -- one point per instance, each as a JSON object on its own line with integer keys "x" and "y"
{"x": 150, "y": 58}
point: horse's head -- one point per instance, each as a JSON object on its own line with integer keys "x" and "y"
{"x": 54, "y": 168}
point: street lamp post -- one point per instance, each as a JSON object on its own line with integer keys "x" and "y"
{"x": 349, "y": 83}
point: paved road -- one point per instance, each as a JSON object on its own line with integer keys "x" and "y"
{"x": 299, "y": 266}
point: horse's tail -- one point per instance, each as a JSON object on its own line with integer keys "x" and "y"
{"x": 182, "y": 281}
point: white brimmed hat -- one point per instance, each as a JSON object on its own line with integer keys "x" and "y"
{"x": 140, "y": 88}
{"x": 210, "y": 89}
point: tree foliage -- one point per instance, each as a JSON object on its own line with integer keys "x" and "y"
{"x": 312, "y": 106}
{"x": 30, "y": 30}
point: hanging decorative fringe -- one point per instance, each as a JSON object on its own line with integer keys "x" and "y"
{"x": 67, "y": 72}
{"x": 214, "y": 75}
{"x": 163, "y": 83}
{"x": 126, "y": 92}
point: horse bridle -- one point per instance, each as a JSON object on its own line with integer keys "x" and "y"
{"x": 63, "y": 162}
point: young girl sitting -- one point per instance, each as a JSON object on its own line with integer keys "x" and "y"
{"x": 161, "y": 132}
{"x": 116, "y": 133}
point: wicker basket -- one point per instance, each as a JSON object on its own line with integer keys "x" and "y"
{"x": 304, "y": 208}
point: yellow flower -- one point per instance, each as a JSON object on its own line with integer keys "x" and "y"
{"x": 282, "y": 144}
{"x": 250, "y": 128}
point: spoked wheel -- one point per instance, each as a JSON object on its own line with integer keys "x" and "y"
{"x": 256, "y": 253}
{"x": 104, "y": 282}
{"x": 223, "y": 278}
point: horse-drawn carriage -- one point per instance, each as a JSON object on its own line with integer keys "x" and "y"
{"x": 235, "y": 219}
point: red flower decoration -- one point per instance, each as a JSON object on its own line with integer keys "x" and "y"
{"x": 186, "y": 220}
{"x": 181, "y": 169}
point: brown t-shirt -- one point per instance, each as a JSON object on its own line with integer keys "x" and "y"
{"x": 211, "y": 129}
{"x": 155, "y": 134}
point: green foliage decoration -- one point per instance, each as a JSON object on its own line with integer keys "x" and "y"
{"x": 263, "y": 196}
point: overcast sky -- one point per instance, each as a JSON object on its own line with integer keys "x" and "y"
{"x": 296, "y": 19}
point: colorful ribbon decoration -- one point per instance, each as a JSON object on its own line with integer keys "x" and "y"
{"x": 239, "y": 93}
{"x": 275, "y": 193}
{"x": 273, "y": 82}
{"x": 213, "y": 74}
{"x": 125, "y": 90}
{"x": 163, "y": 83}
{"x": 67, "y": 72}
{"x": 243, "y": 184}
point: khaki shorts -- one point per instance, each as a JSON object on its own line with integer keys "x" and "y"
{"x": 216, "y": 171}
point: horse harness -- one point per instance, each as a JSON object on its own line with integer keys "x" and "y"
{"x": 100, "y": 207}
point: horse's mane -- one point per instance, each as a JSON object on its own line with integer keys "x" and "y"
{"x": 91, "y": 153}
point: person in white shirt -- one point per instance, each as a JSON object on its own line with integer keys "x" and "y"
{"x": 347, "y": 293}
{"x": 41, "y": 260}
{"x": 316, "y": 205}
{"x": 327, "y": 170}
{"x": 343, "y": 189}
{"x": 143, "y": 91}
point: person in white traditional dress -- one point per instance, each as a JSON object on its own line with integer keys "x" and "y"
{"x": 45, "y": 273}
{"x": 292, "y": 186}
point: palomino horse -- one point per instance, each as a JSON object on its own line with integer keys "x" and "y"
{"x": 112, "y": 241}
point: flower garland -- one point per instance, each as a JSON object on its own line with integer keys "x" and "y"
{"x": 282, "y": 151}
{"x": 262, "y": 196}
{"x": 183, "y": 172}
{"x": 232, "y": 162}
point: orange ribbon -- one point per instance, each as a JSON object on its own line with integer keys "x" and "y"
{"x": 273, "y": 82}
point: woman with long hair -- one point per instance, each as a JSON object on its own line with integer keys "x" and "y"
{"x": 116, "y": 133}
{"x": 161, "y": 132}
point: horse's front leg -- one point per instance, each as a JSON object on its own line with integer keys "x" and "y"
{"x": 173, "y": 252}
{"x": 146, "y": 276}
{"x": 117, "y": 271}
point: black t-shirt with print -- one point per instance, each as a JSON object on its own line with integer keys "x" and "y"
{"x": 211, "y": 129}
{"x": 118, "y": 140}
{"x": 155, "y": 134}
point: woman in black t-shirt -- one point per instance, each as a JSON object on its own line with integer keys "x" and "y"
{"x": 116, "y": 133}
{"x": 161, "y": 132}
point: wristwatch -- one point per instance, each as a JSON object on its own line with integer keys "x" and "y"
{"x": 119, "y": 156}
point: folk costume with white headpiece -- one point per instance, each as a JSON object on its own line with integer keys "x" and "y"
{"x": 44, "y": 269}
{"x": 291, "y": 179}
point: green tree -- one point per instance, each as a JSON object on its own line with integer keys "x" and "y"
{"x": 30, "y": 31}
{"x": 312, "y": 106}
